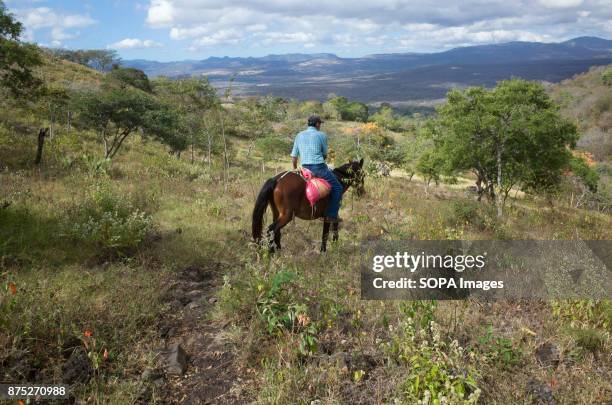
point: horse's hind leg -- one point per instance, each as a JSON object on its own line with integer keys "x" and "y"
{"x": 274, "y": 236}
{"x": 277, "y": 239}
{"x": 325, "y": 236}
{"x": 274, "y": 233}
{"x": 277, "y": 233}
{"x": 283, "y": 219}
{"x": 271, "y": 237}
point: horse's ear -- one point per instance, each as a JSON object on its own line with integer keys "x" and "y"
{"x": 361, "y": 163}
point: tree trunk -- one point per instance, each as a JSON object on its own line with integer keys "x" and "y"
{"x": 225, "y": 158}
{"x": 52, "y": 133}
{"x": 479, "y": 188}
{"x": 42, "y": 134}
{"x": 250, "y": 149}
{"x": 117, "y": 144}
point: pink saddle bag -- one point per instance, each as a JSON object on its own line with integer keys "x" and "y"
{"x": 316, "y": 188}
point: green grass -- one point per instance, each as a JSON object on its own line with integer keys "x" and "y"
{"x": 294, "y": 320}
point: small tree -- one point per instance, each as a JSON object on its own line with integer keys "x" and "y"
{"x": 430, "y": 166}
{"x": 192, "y": 97}
{"x": 510, "y": 136}
{"x": 356, "y": 111}
{"x": 348, "y": 111}
{"x": 253, "y": 122}
{"x": 130, "y": 77}
{"x": 17, "y": 59}
{"x": 272, "y": 146}
{"x": 118, "y": 113}
{"x": 274, "y": 108}
{"x": 411, "y": 148}
{"x": 99, "y": 59}
{"x": 386, "y": 117}
{"x": 54, "y": 102}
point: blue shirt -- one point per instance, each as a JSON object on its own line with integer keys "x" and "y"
{"x": 311, "y": 146}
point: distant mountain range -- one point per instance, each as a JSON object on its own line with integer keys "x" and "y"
{"x": 396, "y": 77}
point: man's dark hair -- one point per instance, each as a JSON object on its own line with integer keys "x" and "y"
{"x": 314, "y": 120}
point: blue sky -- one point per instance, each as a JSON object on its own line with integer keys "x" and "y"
{"x": 195, "y": 29}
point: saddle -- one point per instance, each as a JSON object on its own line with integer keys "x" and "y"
{"x": 316, "y": 187}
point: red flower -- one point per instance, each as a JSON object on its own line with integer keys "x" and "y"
{"x": 12, "y": 288}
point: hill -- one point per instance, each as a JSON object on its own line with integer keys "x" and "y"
{"x": 392, "y": 77}
{"x": 105, "y": 265}
{"x": 587, "y": 98}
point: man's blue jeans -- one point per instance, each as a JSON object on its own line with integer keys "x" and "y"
{"x": 335, "y": 197}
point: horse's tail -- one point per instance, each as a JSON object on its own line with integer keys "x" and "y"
{"x": 263, "y": 199}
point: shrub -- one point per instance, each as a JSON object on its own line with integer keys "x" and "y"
{"x": 591, "y": 340}
{"x": 606, "y": 76}
{"x": 272, "y": 298}
{"x": 272, "y": 146}
{"x": 345, "y": 109}
{"x": 281, "y": 314}
{"x": 499, "y": 350}
{"x": 466, "y": 212}
{"x": 131, "y": 77}
{"x": 430, "y": 167}
{"x": 584, "y": 313}
{"x": 588, "y": 175}
{"x": 96, "y": 166}
{"x": 438, "y": 371}
{"x": 603, "y": 104}
{"x": 387, "y": 118}
{"x": 110, "y": 222}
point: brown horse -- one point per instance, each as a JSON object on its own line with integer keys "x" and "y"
{"x": 286, "y": 194}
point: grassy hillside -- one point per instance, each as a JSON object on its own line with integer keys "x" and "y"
{"x": 102, "y": 264}
{"x": 587, "y": 98}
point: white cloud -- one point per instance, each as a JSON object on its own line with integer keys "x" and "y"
{"x": 133, "y": 43}
{"x": 58, "y": 34}
{"x": 183, "y": 33}
{"x": 45, "y": 18}
{"x": 229, "y": 36}
{"x": 391, "y": 24}
{"x": 271, "y": 38}
{"x": 160, "y": 13}
{"x": 77, "y": 21}
{"x": 257, "y": 27}
{"x": 560, "y": 3}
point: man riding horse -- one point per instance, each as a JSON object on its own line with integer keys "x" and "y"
{"x": 286, "y": 193}
{"x": 311, "y": 148}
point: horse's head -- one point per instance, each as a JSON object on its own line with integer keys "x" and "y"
{"x": 353, "y": 174}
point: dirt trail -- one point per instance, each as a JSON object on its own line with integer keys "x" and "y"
{"x": 211, "y": 374}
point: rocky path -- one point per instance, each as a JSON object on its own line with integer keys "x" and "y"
{"x": 197, "y": 366}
